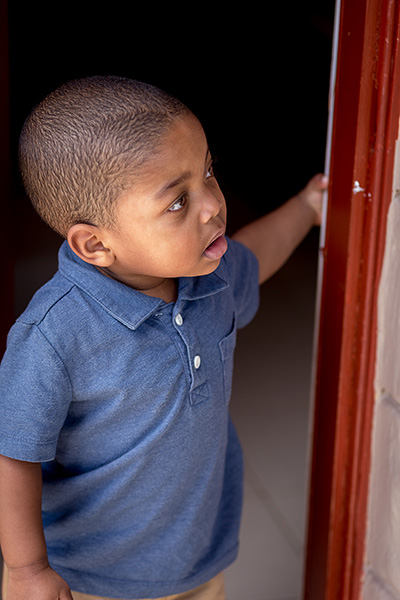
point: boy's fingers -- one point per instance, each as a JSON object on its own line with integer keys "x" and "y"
{"x": 324, "y": 181}
{"x": 321, "y": 180}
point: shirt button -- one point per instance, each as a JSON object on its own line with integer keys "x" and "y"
{"x": 197, "y": 361}
{"x": 178, "y": 319}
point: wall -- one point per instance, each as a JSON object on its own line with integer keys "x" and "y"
{"x": 382, "y": 561}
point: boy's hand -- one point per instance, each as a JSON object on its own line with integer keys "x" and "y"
{"x": 312, "y": 195}
{"x": 36, "y": 582}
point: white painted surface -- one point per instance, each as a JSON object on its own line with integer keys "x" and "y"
{"x": 382, "y": 558}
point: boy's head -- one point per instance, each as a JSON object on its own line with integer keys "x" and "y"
{"x": 81, "y": 148}
{"x": 124, "y": 172}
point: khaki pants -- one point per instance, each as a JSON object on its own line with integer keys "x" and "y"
{"x": 212, "y": 590}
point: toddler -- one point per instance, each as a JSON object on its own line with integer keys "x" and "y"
{"x": 120, "y": 469}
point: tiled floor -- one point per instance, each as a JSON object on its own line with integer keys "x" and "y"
{"x": 270, "y": 407}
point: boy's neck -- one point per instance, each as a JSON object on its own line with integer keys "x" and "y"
{"x": 167, "y": 289}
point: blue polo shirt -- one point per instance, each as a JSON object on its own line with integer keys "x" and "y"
{"x": 124, "y": 399}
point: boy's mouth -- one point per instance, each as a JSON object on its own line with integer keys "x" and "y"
{"x": 217, "y": 248}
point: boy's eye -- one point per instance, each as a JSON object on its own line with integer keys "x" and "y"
{"x": 178, "y": 204}
{"x": 210, "y": 172}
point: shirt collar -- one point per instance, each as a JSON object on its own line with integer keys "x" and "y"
{"x": 125, "y": 304}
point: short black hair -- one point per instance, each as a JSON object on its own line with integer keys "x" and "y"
{"x": 81, "y": 147}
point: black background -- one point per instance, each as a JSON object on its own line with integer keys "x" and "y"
{"x": 256, "y": 75}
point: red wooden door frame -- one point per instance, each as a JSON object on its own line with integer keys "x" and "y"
{"x": 365, "y": 127}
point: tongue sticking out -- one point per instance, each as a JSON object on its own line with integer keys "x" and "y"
{"x": 217, "y": 249}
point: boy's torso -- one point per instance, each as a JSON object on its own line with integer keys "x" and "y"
{"x": 137, "y": 431}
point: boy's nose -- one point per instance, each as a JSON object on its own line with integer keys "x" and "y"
{"x": 211, "y": 207}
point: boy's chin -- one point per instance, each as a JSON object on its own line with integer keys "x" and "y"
{"x": 209, "y": 268}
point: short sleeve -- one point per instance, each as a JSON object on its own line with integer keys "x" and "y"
{"x": 35, "y": 394}
{"x": 244, "y": 274}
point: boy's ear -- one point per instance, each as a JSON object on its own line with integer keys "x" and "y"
{"x": 87, "y": 243}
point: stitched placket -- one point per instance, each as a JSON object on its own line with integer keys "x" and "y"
{"x": 199, "y": 390}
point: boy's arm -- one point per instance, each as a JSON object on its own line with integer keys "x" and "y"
{"x": 21, "y": 534}
{"x": 274, "y": 237}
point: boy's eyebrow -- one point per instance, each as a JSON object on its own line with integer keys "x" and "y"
{"x": 186, "y": 175}
{"x": 166, "y": 188}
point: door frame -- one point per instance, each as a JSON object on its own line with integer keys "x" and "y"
{"x": 365, "y": 115}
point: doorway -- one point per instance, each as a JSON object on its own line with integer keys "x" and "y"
{"x": 219, "y": 66}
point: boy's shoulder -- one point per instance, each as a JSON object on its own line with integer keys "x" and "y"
{"x": 46, "y": 298}
{"x": 239, "y": 263}
{"x": 239, "y": 267}
{"x": 61, "y": 297}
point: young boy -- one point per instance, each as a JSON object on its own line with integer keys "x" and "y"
{"x": 119, "y": 465}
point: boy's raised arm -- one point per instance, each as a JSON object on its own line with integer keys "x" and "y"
{"x": 274, "y": 237}
{"x": 21, "y": 534}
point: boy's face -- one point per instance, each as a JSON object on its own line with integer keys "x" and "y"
{"x": 172, "y": 223}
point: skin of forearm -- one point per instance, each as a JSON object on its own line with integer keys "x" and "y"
{"x": 21, "y": 530}
{"x": 274, "y": 236}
